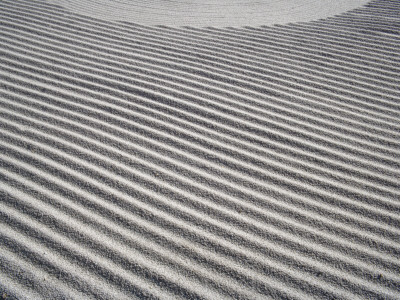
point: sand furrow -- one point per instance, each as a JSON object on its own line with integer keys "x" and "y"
{"x": 136, "y": 150}
{"x": 172, "y": 82}
{"x": 297, "y": 145}
{"x": 244, "y": 104}
{"x": 257, "y": 79}
{"x": 184, "y": 150}
{"x": 330, "y": 108}
{"x": 287, "y": 270}
{"x": 269, "y": 186}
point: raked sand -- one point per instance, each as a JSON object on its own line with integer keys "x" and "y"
{"x": 199, "y": 153}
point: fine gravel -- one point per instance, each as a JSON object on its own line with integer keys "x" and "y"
{"x": 210, "y": 12}
{"x": 144, "y": 159}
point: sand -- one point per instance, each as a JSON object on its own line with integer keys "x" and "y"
{"x": 206, "y": 158}
{"x": 205, "y": 13}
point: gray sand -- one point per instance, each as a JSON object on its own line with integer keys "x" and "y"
{"x": 203, "y": 162}
{"x": 218, "y": 13}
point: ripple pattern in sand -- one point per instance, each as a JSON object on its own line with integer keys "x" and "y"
{"x": 185, "y": 163}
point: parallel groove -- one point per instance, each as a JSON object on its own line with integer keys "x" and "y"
{"x": 116, "y": 249}
{"x": 181, "y": 39}
{"x": 206, "y": 13}
{"x": 392, "y": 262}
{"x": 155, "y": 162}
{"x": 128, "y": 238}
{"x": 386, "y": 112}
{"x": 392, "y": 140}
{"x": 197, "y": 38}
{"x": 247, "y": 78}
{"x": 394, "y": 144}
{"x": 369, "y": 287}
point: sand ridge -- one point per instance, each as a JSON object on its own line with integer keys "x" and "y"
{"x": 213, "y": 13}
{"x": 156, "y": 162}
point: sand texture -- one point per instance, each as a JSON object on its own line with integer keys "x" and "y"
{"x": 210, "y": 12}
{"x": 199, "y": 162}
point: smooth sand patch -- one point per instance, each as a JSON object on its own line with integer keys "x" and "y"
{"x": 210, "y": 13}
